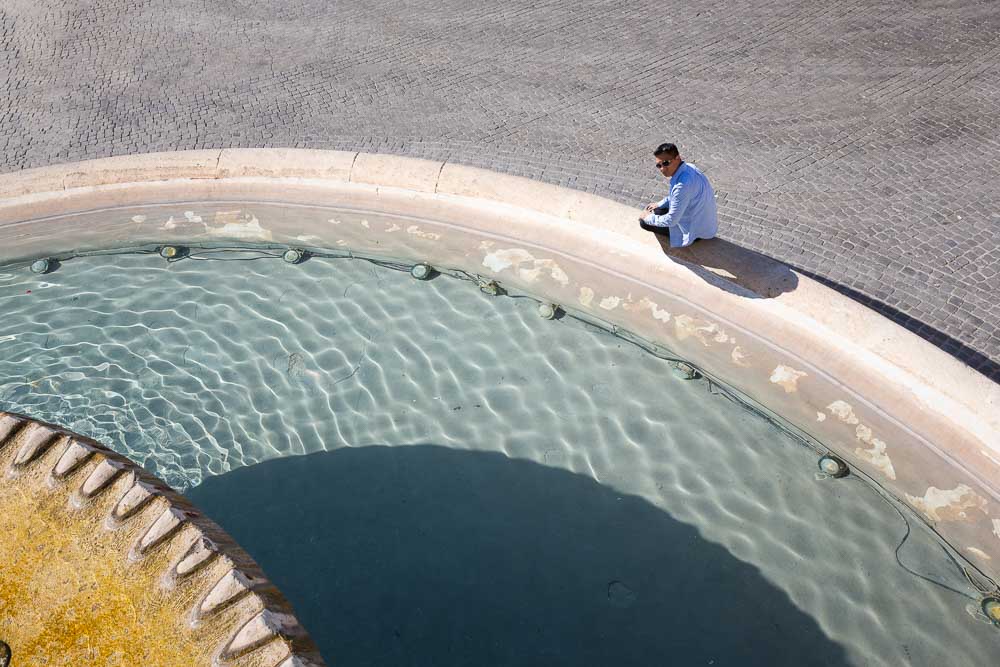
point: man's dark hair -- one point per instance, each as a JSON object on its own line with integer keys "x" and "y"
{"x": 666, "y": 149}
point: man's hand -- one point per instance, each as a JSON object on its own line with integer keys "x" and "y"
{"x": 650, "y": 207}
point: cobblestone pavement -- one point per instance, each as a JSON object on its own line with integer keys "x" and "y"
{"x": 854, "y": 140}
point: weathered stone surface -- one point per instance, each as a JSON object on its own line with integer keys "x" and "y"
{"x": 232, "y": 585}
{"x": 33, "y": 441}
{"x": 201, "y": 551}
{"x": 76, "y": 585}
{"x": 133, "y": 500}
{"x": 102, "y": 475}
{"x": 75, "y": 455}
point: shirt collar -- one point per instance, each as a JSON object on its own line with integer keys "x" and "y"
{"x": 678, "y": 172}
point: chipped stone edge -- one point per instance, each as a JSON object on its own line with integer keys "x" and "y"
{"x": 969, "y": 396}
{"x": 30, "y": 440}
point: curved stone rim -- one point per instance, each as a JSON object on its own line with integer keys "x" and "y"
{"x": 907, "y": 384}
{"x": 84, "y": 470}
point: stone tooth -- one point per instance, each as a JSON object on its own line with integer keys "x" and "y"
{"x": 36, "y": 441}
{"x": 298, "y": 661}
{"x": 74, "y": 456}
{"x": 259, "y": 630}
{"x": 199, "y": 553}
{"x": 9, "y": 425}
{"x": 102, "y": 475}
{"x": 133, "y": 500}
{"x": 231, "y": 586}
{"x": 164, "y": 526}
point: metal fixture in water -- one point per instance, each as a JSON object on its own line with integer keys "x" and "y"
{"x": 686, "y": 371}
{"x": 548, "y": 311}
{"x": 422, "y": 271}
{"x": 833, "y": 466}
{"x": 43, "y": 265}
{"x": 171, "y": 252}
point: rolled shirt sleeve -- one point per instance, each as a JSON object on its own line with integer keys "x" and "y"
{"x": 678, "y": 200}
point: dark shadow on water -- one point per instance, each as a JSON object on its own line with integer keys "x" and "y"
{"x": 423, "y": 555}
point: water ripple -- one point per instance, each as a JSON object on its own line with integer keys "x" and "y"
{"x": 198, "y": 368}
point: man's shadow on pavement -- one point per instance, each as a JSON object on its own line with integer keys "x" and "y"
{"x": 749, "y": 274}
{"x": 731, "y": 268}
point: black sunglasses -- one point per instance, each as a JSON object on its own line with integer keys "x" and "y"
{"x": 664, "y": 163}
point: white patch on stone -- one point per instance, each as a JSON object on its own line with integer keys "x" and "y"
{"x": 232, "y": 585}
{"x": 260, "y": 629}
{"x": 996, "y": 527}
{"x": 787, "y": 377}
{"x": 199, "y": 553}
{"x": 486, "y": 245}
{"x": 101, "y": 476}
{"x": 392, "y": 228}
{"x": 7, "y": 425}
{"x": 739, "y": 357}
{"x": 843, "y": 411}
{"x": 979, "y": 553}
{"x": 191, "y": 217}
{"x": 162, "y": 528}
{"x": 38, "y": 437}
{"x": 876, "y": 453}
{"x": 821, "y": 416}
{"x": 610, "y": 302}
{"x": 658, "y": 313}
{"x": 529, "y": 275}
{"x": 529, "y": 268}
{"x": 877, "y": 457}
{"x": 559, "y": 275}
{"x": 705, "y": 331}
{"x": 138, "y": 219}
{"x": 504, "y": 259}
{"x": 366, "y": 224}
{"x": 645, "y": 304}
{"x": 297, "y": 661}
{"x": 74, "y": 455}
{"x": 333, "y": 221}
{"x": 949, "y": 505}
{"x": 586, "y": 296}
{"x": 420, "y": 234}
{"x": 684, "y": 325}
{"x": 133, "y": 499}
{"x": 249, "y": 229}
{"x": 308, "y": 238}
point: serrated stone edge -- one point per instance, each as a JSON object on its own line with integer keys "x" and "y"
{"x": 30, "y": 439}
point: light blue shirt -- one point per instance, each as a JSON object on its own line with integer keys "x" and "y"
{"x": 692, "y": 208}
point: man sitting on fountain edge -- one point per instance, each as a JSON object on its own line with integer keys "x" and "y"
{"x": 688, "y": 211}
